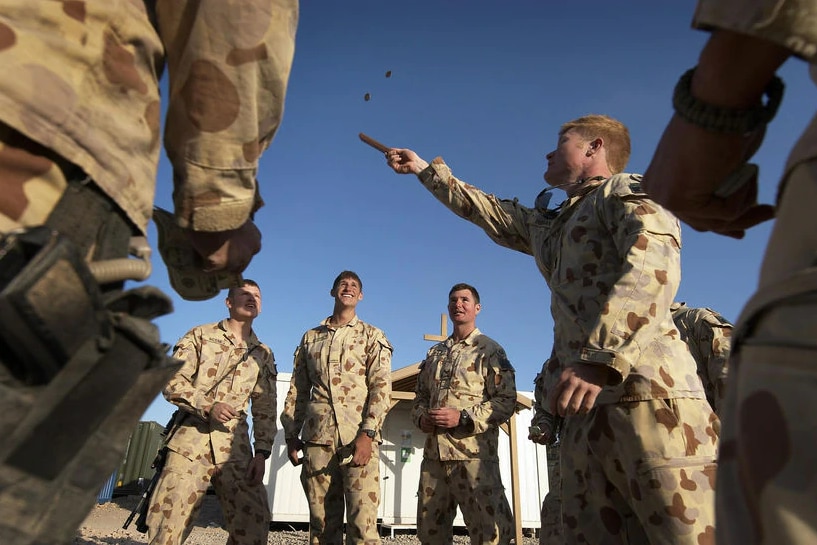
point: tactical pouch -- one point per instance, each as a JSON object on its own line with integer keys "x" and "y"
{"x": 50, "y": 304}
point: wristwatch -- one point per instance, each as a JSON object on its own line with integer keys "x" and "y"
{"x": 370, "y": 433}
{"x": 465, "y": 418}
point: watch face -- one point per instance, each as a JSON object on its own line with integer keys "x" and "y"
{"x": 370, "y": 433}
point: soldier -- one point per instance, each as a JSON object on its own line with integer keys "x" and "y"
{"x": 765, "y": 489}
{"x": 334, "y": 411}
{"x": 627, "y": 388}
{"x": 709, "y": 338}
{"x": 225, "y": 368}
{"x": 79, "y": 147}
{"x": 465, "y": 390}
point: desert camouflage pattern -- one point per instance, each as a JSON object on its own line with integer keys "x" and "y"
{"x": 611, "y": 258}
{"x": 86, "y": 87}
{"x": 593, "y": 267}
{"x": 767, "y": 480}
{"x": 473, "y": 485}
{"x": 551, "y": 532}
{"x": 245, "y": 506}
{"x": 709, "y": 338}
{"x": 328, "y": 485}
{"x": 473, "y": 374}
{"x": 217, "y": 367}
{"x": 650, "y": 461}
{"x": 341, "y": 384}
{"x": 461, "y": 466}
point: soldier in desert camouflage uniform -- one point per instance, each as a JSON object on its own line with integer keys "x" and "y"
{"x": 638, "y": 429}
{"x": 334, "y": 411}
{"x": 767, "y": 480}
{"x": 709, "y": 338}
{"x": 225, "y": 368}
{"x": 465, "y": 390}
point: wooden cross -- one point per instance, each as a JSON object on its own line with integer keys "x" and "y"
{"x": 443, "y": 331}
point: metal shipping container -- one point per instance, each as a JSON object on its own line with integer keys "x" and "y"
{"x": 135, "y": 471}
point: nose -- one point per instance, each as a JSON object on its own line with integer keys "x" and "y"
{"x": 550, "y": 155}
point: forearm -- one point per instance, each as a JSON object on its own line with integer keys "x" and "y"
{"x": 225, "y": 102}
{"x": 734, "y": 69}
{"x": 505, "y": 222}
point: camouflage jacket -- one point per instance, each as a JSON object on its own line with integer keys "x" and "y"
{"x": 789, "y": 24}
{"x": 219, "y": 368}
{"x": 709, "y": 338}
{"x": 86, "y": 85}
{"x": 611, "y": 258}
{"x": 473, "y": 374}
{"x": 341, "y": 384}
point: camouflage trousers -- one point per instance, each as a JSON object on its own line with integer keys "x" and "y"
{"x": 640, "y": 473}
{"x": 180, "y": 491}
{"x": 767, "y": 476}
{"x": 329, "y": 485}
{"x": 473, "y": 485}
{"x": 551, "y": 531}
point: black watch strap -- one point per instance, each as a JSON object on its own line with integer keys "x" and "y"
{"x": 369, "y": 433}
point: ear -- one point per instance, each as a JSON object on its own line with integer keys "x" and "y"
{"x": 332, "y": 293}
{"x": 360, "y": 296}
{"x": 477, "y": 308}
{"x": 594, "y": 146}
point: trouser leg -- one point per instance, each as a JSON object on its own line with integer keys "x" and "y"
{"x": 436, "y": 506}
{"x": 177, "y": 498}
{"x": 244, "y": 504}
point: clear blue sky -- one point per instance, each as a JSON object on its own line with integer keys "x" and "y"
{"x": 486, "y": 85}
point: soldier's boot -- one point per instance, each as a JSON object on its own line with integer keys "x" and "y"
{"x": 80, "y": 362}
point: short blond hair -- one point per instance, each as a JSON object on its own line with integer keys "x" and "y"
{"x": 614, "y": 133}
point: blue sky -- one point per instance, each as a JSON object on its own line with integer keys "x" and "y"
{"x": 486, "y": 85}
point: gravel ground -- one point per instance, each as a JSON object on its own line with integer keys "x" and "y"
{"x": 103, "y": 526}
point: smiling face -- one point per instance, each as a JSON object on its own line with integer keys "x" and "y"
{"x": 462, "y": 307}
{"x": 244, "y": 303}
{"x": 347, "y": 292}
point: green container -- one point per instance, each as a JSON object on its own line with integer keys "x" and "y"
{"x": 135, "y": 471}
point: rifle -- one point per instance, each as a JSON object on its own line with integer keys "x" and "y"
{"x": 158, "y": 466}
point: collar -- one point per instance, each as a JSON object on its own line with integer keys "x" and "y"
{"x": 350, "y": 323}
{"x": 470, "y": 339}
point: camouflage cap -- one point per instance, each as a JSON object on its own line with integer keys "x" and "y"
{"x": 184, "y": 264}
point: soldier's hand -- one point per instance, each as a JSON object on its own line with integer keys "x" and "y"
{"x": 255, "y": 471}
{"x": 222, "y": 413}
{"x": 363, "y": 450}
{"x": 578, "y": 387}
{"x": 405, "y": 161}
{"x": 229, "y": 251}
{"x": 294, "y": 445}
{"x": 445, "y": 417}
{"x": 689, "y": 167}
{"x": 426, "y": 424}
